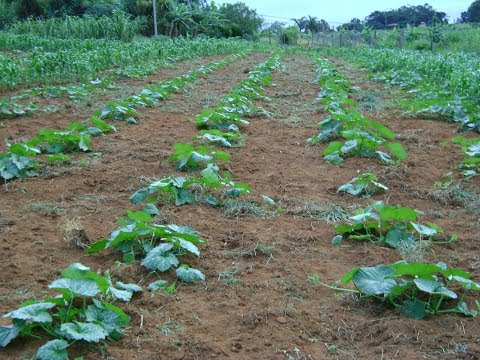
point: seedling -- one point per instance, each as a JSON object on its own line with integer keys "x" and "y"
{"x": 416, "y": 289}
{"x": 395, "y": 226}
{"x": 365, "y": 185}
{"x": 82, "y": 312}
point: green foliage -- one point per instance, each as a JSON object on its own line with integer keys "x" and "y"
{"x": 289, "y": 35}
{"x": 470, "y": 166}
{"x": 192, "y": 190}
{"x": 10, "y": 109}
{"x": 394, "y": 226}
{"x": 16, "y": 166}
{"x": 441, "y": 84}
{"x": 364, "y": 185}
{"x": 82, "y": 311}
{"x": 193, "y": 158}
{"x": 115, "y": 26}
{"x": 417, "y": 289}
{"x": 159, "y": 246}
{"x": 411, "y": 15}
{"x": 360, "y": 135}
{"x": 240, "y": 20}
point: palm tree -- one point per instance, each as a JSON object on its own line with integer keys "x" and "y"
{"x": 301, "y": 23}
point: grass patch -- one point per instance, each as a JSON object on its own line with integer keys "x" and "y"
{"x": 454, "y": 195}
{"x": 46, "y": 209}
{"x": 239, "y": 208}
{"x": 317, "y": 210}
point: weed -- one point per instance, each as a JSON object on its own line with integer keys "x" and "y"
{"x": 169, "y": 328}
{"x": 46, "y": 209}
{"x": 75, "y": 234}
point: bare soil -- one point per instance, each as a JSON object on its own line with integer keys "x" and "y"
{"x": 256, "y": 302}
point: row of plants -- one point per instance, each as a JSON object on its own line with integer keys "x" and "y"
{"x": 49, "y": 61}
{"x": 443, "y": 85}
{"x": 416, "y": 289}
{"x": 358, "y": 135}
{"x": 439, "y": 85}
{"x": 160, "y": 246}
{"x": 84, "y": 310}
{"x": 18, "y": 162}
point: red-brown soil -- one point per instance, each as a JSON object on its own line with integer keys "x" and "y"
{"x": 256, "y": 302}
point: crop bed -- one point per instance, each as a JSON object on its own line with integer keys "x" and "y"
{"x": 263, "y": 262}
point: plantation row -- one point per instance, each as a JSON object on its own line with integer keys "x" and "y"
{"x": 84, "y": 310}
{"x": 442, "y": 85}
{"x": 19, "y": 163}
{"x": 57, "y": 60}
{"x": 416, "y": 289}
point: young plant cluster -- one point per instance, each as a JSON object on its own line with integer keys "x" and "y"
{"x": 82, "y": 312}
{"x": 359, "y": 136}
{"x": 394, "y": 226}
{"x": 470, "y": 166}
{"x": 9, "y": 109}
{"x": 416, "y": 289}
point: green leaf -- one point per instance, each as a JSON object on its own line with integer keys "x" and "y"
{"x": 159, "y": 284}
{"x": 434, "y": 287}
{"x": 414, "y": 309}
{"x": 79, "y": 271}
{"x": 151, "y": 209}
{"x": 53, "y": 350}
{"x": 188, "y": 274}
{"x": 89, "y": 332}
{"x": 420, "y": 270}
{"x": 8, "y": 333}
{"x": 399, "y": 238}
{"x": 97, "y": 246}
{"x": 106, "y": 318}
{"x": 374, "y": 280}
{"x": 139, "y": 216}
{"x": 35, "y": 312}
{"x": 467, "y": 283}
{"x": 186, "y": 245}
{"x": 399, "y": 213}
{"x": 397, "y": 150}
{"x": 334, "y": 158}
{"x": 159, "y": 258}
{"x": 139, "y": 196}
{"x": 332, "y": 147}
{"x": 424, "y": 230}
{"x": 337, "y": 240}
{"x": 82, "y": 287}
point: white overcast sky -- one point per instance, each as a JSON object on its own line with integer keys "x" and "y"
{"x": 340, "y": 11}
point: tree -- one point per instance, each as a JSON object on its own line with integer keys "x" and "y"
{"x": 472, "y": 14}
{"x": 301, "y": 23}
{"x": 354, "y": 25}
{"x": 240, "y": 20}
{"x": 405, "y": 15}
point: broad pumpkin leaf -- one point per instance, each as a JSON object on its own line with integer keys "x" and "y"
{"x": 375, "y": 280}
{"x": 160, "y": 258}
{"x": 82, "y": 287}
{"x": 188, "y": 274}
{"x": 53, "y": 350}
{"x": 89, "y": 332}
{"x": 35, "y": 312}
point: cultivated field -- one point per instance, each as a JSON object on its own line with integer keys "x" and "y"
{"x": 223, "y": 141}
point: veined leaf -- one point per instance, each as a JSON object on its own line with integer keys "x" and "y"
{"x": 89, "y": 332}
{"x": 188, "y": 274}
{"x": 53, "y": 350}
{"x": 35, "y": 312}
{"x": 374, "y": 280}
